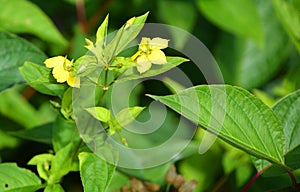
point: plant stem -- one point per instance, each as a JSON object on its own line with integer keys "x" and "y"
{"x": 253, "y": 179}
{"x": 292, "y": 176}
{"x": 81, "y": 15}
{"x": 95, "y": 18}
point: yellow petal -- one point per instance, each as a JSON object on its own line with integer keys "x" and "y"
{"x": 143, "y": 64}
{"x": 60, "y": 74}
{"x": 158, "y": 43}
{"x": 133, "y": 57}
{"x": 55, "y": 61}
{"x": 157, "y": 57}
{"x": 144, "y": 44}
{"x": 73, "y": 81}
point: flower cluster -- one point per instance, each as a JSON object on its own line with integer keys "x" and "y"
{"x": 149, "y": 53}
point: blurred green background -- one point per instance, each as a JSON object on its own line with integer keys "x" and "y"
{"x": 255, "y": 42}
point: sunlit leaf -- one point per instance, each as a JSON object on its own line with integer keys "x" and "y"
{"x": 234, "y": 115}
{"x": 21, "y": 16}
{"x": 100, "y": 113}
{"x": 14, "y": 178}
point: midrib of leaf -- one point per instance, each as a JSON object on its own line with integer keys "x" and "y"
{"x": 228, "y": 137}
{"x": 240, "y": 128}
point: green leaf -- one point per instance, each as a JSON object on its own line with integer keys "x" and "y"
{"x": 102, "y": 32}
{"x": 7, "y": 141}
{"x": 132, "y": 73}
{"x": 63, "y": 162}
{"x": 21, "y": 16}
{"x": 236, "y": 16}
{"x": 15, "y": 107}
{"x": 66, "y": 104}
{"x": 16, "y": 179}
{"x": 289, "y": 15}
{"x": 40, "y": 78}
{"x": 100, "y": 113}
{"x": 180, "y": 14}
{"x": 234, "y": 115}
{"x": 14, "y": 51}
{"x": 64, "y": 132}
{"x": 124, "y": 36}
{"x": 43, "y": 162}
{"x": 288, "y": 110}
{"x": 54, "y": 188}
{"x": 123, "y": 118}
{"x": 247, "y": 65}
{"x": 95, "y": 173}
{"x": 42, "y": 134}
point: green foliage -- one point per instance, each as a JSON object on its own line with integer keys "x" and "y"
{"x": 14, "y": 52}
{"x": 40, "y": 78}
{"x": 96, "y": 173}
{"x": 14, "y": 178}
{"x": 235, "y": 116}
{"x": 239, "y": 17}
{"x": 26, "y": 17}
{"x": 88, "y": 137}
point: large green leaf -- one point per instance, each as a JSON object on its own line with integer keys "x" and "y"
{"x": 40, "y": 78}
{"x": 95, "y": 173}
{"x": 181, "y": 14}
{"x": 234, "y": 115}
{"x": 16, "y": 179}
{"x": 245, "y": 64}
{"x": 14, "y": 51}
{"x": 42, "y": 134}
{"x": 288, "y": 110}
{"x": 289, "y": 15}
{"x": 22, "y": 16}
{"x": 132, "y": 73}
{"x": 15, "y": 107}
{"x": 237, "y": 16}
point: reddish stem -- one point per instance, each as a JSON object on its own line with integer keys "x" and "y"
{"x": 100, "y": 12}
{"x": 253, "y": 179}
{"x": 81, "y": 15}
{"x": 292, "y": 176}
{"x": 28, "y": 93}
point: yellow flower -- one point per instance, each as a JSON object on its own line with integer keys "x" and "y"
{"x": 150, "y": 53}
{"x": 63, "y": 70}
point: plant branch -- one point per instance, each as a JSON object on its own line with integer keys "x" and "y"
{"x": 95, "y": 18}
{"x": 292, "y": 176}
{"x": 253, "y": 179}
{"x": 81, "y": 15}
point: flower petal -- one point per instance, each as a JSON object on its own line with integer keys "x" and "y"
{"x": 55, "y": 61}
{"x": 158, "y": 43}
{"x": 157, "y": 57}
{"x": 60, "y": 74}
{"x": 73, "y": 81}
{"x": 143, "y": 64}
{"x": 144, "y": 44}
